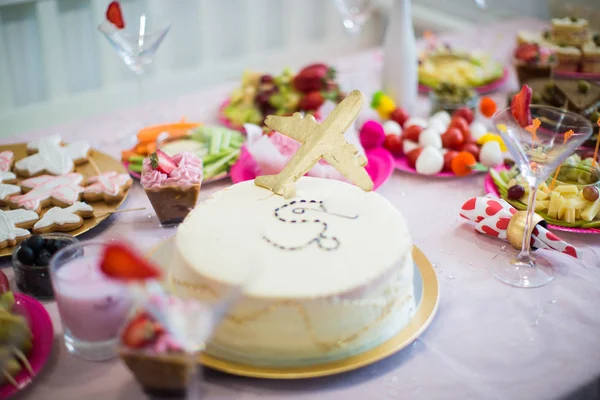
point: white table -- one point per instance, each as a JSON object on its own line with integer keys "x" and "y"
{"x": 488, "y": 340}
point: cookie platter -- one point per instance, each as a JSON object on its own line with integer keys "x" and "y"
{"x": 100, "y": 206}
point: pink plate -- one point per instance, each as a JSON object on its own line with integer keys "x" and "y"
{"x": 588, "y": 76}
{"x": 402, "y": 165}
{"x": 43, "y": 336}
{"x": 487, "y": 88}
{"x": 490, "y": 187}
{"x": 379, "y": 167}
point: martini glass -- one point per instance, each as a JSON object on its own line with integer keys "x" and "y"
{"x": 136, "y": 44}
{"x": 537, "y": 157}
{"x": 354, "y": 14}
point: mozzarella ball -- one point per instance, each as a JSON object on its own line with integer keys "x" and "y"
{"x": 416, "y": 121}
{"x": 477, "y": 129}
{"x": 392, "y": 128}
{"x": 442, "y": 116}
{"x": 430, "y": 162}
{"x": 438, "y": 126}
{"x": 408, "y": 146}
{"x": 430, "y": 137}
{"x": 491, "y": 155}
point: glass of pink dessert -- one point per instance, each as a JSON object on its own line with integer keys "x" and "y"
{"x": 172, "y": 184}
{"x": 92, "y": 307}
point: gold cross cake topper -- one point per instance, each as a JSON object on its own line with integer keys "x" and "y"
{"x": 319, "y": 141}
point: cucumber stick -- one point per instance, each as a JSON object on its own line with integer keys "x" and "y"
{"x": 215, "y": 141}
{"x": 215, "y": 168}
{"x": 225, "y": 142}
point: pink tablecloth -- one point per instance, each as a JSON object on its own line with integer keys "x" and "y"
{"x": 488, "y": 341}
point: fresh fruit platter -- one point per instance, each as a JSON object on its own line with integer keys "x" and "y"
{"x": 446, "y": 65}
{"x": 218, "y": 147}
{"x": 25, "y": 340}
{"x": 444, "y": 145}
{"x": 263, "y": 94}
{"x": 569, "y": 199}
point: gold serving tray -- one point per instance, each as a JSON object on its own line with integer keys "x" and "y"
{"x": 104, "y": 162}
{"x": 164, "y": 255}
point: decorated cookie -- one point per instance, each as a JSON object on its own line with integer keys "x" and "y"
{"x": 34, "y": 147}
{"x": 109, "y": 186}
{"x": 64, "y": 219}
{"x": 7, "y": 177}
{"x": 52, "y": 158}
{"x": 46, "y": 190}
{"x": 11, "y": 223}
{"x": 7, "y": 191}
{"x": 7, "y": 158}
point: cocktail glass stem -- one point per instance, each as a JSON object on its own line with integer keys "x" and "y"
{"x": 525, "y": 256}
{"x": 193, "y": 387}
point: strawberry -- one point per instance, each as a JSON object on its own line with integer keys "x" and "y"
{"x": 139, "y": 332}
{"x": 114, "y": 15}
{"x": 520, "y": 106}
{"x": 313, "y": 77}
{"x": 311, "y": 101}
{"x": 120, "y": 262}
{"x": 162, "y": 162}
{"x": 413, "y": 155}
{"x": 527, "y": 52}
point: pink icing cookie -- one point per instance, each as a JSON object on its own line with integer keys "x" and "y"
{"x": 7, "y": 158}
{"x": 52, "y": 158}
{"x": 109, "y": 186}
{"x": 45, "y": 190}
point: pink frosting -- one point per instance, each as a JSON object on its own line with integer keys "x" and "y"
{"x": 187, "y": 173}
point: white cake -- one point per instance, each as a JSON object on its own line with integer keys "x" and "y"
{"x": 332, "y": 271}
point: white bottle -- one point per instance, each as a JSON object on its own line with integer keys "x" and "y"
{"x": 399, "y": 78}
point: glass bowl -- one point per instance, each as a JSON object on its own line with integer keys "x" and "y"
{"x": 34, "y": 280}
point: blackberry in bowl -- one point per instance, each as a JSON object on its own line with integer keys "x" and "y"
{"x": 30, "y": 260}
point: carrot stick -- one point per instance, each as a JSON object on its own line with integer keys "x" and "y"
{"x": 150, "y": 134}
{"x": 568, "y": 135}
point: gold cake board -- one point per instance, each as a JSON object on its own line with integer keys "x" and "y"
{"x": 104, "y": 162}
{"x": 428, "y": 304}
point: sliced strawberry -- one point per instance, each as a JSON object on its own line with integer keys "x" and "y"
{"x": 120, "y": 262}
{"x": 114, "y": 15}
{"x": 520, "y": 106}
{"x": 413, "y": 155}
{"x": 139, "y": 332}
{"x": 162, "y": 162}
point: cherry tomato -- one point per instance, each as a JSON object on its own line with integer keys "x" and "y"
{"x": 448, "y": 157}
{"x": 4, "y": 285}
{"x": 453, "y": 138}
{"x": 460, "y": 123}
{"x": 471, "y": 148}
{"x": 412, "y": 133}
{"x": 465, "y": 113}
{"x": 399, "y": 115}
{"x": 393, "y": 144}
{"x": 413, "y": 155}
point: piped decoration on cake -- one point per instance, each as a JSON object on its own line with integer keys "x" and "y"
{"x": 319, "y": 141}
{"x": 519, "y": 106}
{"x": 295, "y": 212}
